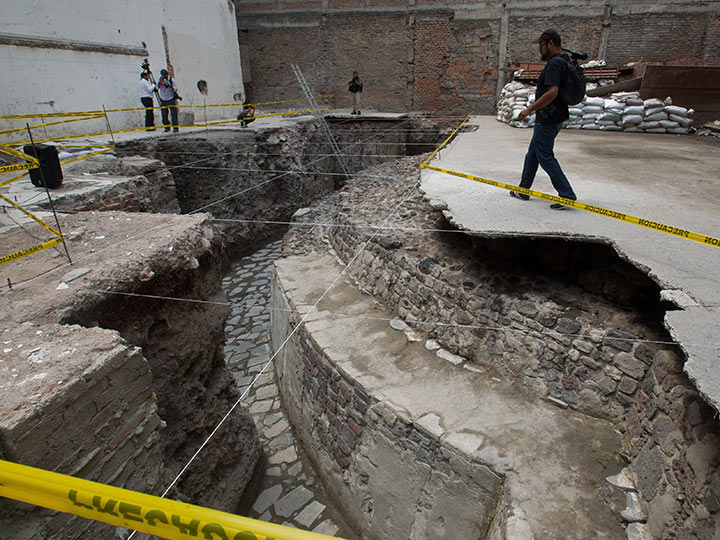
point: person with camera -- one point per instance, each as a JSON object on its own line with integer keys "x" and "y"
{"x": 247, "y": 114}
{"x": 550, "y": 112}
{"x": 167, "y": 90}
{"x": 146, "y": 89}
{"x": 355, "y": 86}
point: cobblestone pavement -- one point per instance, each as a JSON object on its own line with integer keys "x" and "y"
{"x": 290, "y": 494}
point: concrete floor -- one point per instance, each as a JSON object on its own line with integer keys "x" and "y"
{"x": 672, "y": 179}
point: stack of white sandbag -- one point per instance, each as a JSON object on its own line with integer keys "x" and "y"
{"x": 622, "y": 111}
{"x": 515, "y": 96}
{"x": 625, "y": 111}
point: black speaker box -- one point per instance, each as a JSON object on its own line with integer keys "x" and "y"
{"x": 49, "y": 163}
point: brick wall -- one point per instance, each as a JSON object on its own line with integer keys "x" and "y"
{"x": 664, "y": 37}
{"x": 444, "y": 55}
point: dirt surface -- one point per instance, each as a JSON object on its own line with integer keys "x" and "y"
{"x": 106, "y": 248}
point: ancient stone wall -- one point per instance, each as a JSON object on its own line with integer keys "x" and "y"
{"x": 265, "y": 176}
{"x": 574, "y": 342}
{"x": 449, "y": 55}
{"x": 91, "y": 414}
{"x": 393, "y": 477}
{"x": 120, "y": 384}
{"x": 574, "y": 347}
{"x": 674, "y": 444}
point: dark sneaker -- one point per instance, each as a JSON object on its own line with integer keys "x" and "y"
{"x": 557, "y": 206}
{"x": 518, "y": 196}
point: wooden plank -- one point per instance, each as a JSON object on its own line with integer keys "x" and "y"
{"x": 688, "y": 86}
{"x": 629, "y": 85}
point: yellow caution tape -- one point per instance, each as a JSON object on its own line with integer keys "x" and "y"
{"x": 79, "y": 119}
{"x": 24, "y": 253}
{"x": 11, "y": 180}
{"x": 47, "y": 115}
{"x": 31, "y": 216}
{"x": 7, "y": 149}
{"x": 101, "y": 113}
{"x": 109, "y": 149}
{"x": 627, "y": 218}
{"x": 446, "y": 140}
{"x": 17, "y": 167}
{"x": 99, "y": 133}
{"x": 132, "y": 510}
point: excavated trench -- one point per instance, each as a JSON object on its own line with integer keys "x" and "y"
{"x": 609, "y": 358}
{"x": 517, "y": 318}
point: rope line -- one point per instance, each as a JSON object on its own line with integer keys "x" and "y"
{"x": 438, "y": 323}
{"x": 160, "y": 172}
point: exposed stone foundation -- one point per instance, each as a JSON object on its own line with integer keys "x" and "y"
{"x": 586, "y": 335}
{"x": 392, "y": 475}
{"x": 125, "y": 388}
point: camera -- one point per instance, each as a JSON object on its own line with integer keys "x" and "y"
{"x": 576, "y": 55}
{"x": 145, "y": 65}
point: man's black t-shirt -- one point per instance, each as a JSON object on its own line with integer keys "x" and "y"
{"x": 554, "y": 74}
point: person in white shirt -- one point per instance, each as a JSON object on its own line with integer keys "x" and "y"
{"x": 167, "y": 90}
{"x": 146, "y": 89}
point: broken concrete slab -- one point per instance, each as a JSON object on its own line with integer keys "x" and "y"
{"x": 644, "y": 175}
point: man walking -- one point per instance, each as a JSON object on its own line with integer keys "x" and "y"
{"x": 550, "y": 112}
{"x": 146, "y": 89}
{"x": 167, "y": 90}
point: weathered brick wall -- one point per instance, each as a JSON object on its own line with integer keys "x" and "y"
{"x": 445, "y": 55}
{"x": 577, "y": 32}
{"x": 664, "y": 37}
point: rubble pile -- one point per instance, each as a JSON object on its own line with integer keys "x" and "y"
{"x": 622, "y": 111}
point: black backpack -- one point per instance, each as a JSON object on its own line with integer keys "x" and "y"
{"x": 573, "y": 91}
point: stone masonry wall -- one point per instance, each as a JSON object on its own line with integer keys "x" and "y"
{"x": 674, "y": 446}
{"x": 183, "y": 345}
{"x": 564, "y": 340}
{"x": 90, "y": 415}
{"x": 245, "y": 179}
{"x": 132, "y": 184}
{"x": 383, "y": 468}
{"x": 574, "y": 348}
{"x": 449, "y": 55}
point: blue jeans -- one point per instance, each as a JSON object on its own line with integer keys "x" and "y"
{"x": 540, "y": 152}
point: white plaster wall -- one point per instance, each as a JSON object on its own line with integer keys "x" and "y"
{"x": 202, "y": 42}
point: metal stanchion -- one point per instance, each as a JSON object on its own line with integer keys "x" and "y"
{"x": 47, "y": 191}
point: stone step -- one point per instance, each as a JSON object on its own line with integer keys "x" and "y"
{"x": 420, "y": 445}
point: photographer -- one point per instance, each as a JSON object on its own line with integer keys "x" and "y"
{"x": 146, "y": 89}
{"x": 167, "y": 90}
{"x": 355, "y": 87}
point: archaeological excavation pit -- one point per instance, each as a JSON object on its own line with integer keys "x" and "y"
{"x": 440, "y": 382}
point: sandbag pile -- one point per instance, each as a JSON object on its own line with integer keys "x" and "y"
{"x": 515, "y": 96}
{"x": 622, "y": 111}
